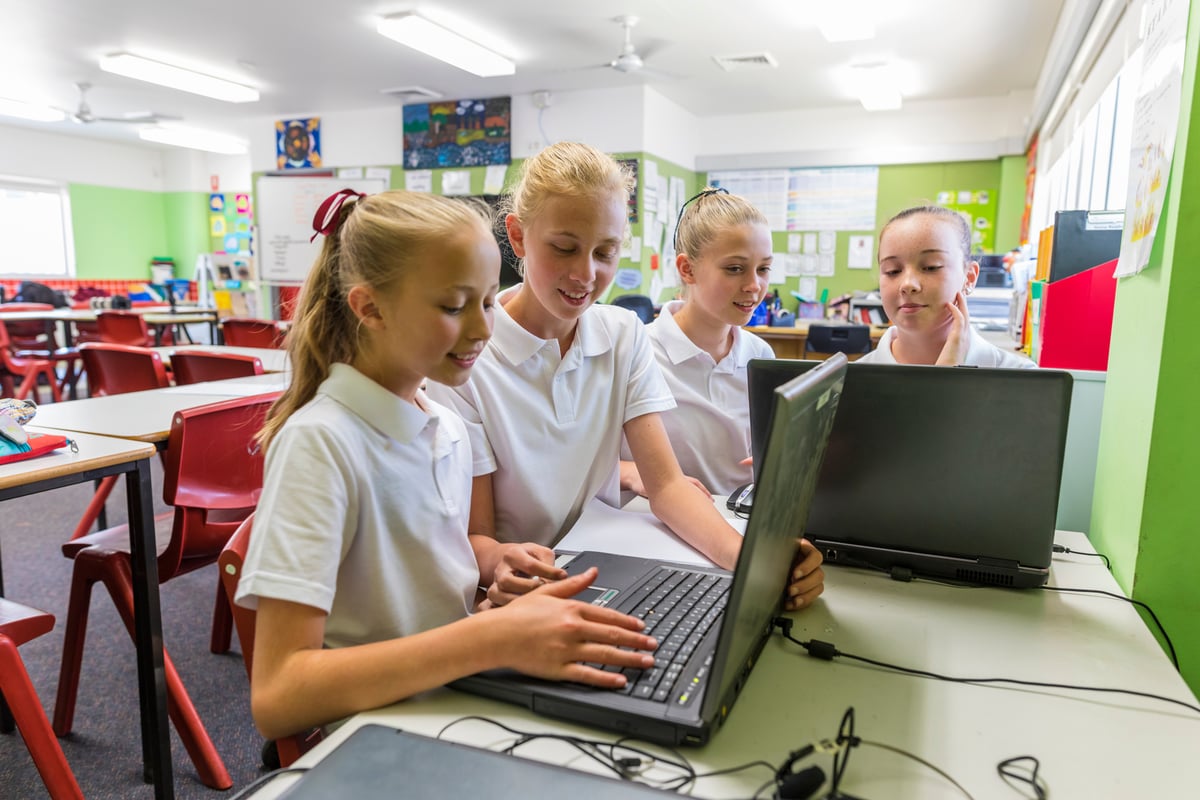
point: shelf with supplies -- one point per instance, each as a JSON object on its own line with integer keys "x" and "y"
{"x": 867, "y": 308}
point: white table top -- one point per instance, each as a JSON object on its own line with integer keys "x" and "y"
{"x": 1090, "y": 745}
{"x": 161, "y": 313}
{"x": 273, "y": 360}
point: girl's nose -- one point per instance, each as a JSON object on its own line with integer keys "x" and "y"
{"x": 584, "y": 270}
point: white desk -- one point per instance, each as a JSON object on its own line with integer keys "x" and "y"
{"x": 99, "y": 456}
{"x": 1090, "y": 745}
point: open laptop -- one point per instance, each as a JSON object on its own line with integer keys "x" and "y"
{"x": 380, "y": 763}
{"x": 942, "y": 472}
{"x": 723, "y": 620}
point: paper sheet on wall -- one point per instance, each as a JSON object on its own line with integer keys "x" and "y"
{"x": 826, "y": 241}
{"x": 825, "y": 265}
{"x": 380, "y": 173}
{"x": 493, "y": 178}
{"x": 779, "y": 269}
{"x": 349, "y": 173}
{"x": 456, "y": 182}
{"x": 635, "y": 249}
{"x": 859, "y": 255}
{"x": 1155, "y": 124}
{"x": 808, "y": 288}
{"x": 650, "y": 193}
{"x": 808, "y": 264}
{"x": 793, "y": 243}
{"x": 418, "y": 180}
{"x": 810, "y": 243}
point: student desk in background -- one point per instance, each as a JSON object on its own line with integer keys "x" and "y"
{"x": 789, "y": 342}
{"x": 273, "y": 360}
{"x": 158, "y": 317}
{"x": 1090, "y": 745}
{"x": 99, "y": 456}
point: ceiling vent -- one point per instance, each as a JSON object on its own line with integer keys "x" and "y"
{"x": 411, "y": 94}
{"x": 747, "y": 61}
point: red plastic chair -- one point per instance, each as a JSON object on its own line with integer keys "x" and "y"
{"x": 116, "y": 369}
{"x": 197, "y": 366}
{"x": 18, "y": 625}
{"x": 30, "y": 334}
{"x": 213, "y": 476}
{"x": 289, "y": 748}
{"x": 247, "y": 332}
{"x": 29, "y": 368}
{"x": 126, "y": 327}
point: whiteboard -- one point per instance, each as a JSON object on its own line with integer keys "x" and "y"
{"x": 285, "y": 212}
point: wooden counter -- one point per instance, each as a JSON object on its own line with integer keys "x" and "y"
{"x": 789, "y": 342}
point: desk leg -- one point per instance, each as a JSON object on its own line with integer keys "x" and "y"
{"x": 6, "y": 720}
{"x": 152, "y": 681}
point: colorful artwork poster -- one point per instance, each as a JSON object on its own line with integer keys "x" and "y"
{"x": 978, "y": 208}
{"x": 458, "y": 133}
{"x": 632, "y": 165}
{"x": 298, "y": 143}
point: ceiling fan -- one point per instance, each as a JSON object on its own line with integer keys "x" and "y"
{"x": 627, "y": 59}
{"x": 83, "y": 114}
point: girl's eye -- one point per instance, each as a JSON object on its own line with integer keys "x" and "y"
{"x": 452, "y": 310}
{"x": 932, "y": 267}
{"x": 766, "y": 270}
{"x": 606, "y": 255}
{"x": 563, "y": 250}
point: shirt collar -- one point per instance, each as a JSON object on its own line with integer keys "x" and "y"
{"x": 680, "y": 348}
{"x": 517, "y": 345}
{"x": 379, "y": 408}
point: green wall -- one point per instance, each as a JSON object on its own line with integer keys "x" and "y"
{"x": 1012, "y": 203}
{"x": 118, "y": 231}
{"x": 1146, "y": 504}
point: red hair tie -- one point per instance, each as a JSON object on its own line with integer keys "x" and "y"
{"x": 329, "y": 212}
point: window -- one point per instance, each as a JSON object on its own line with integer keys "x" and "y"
{"x": 35, "y": 226}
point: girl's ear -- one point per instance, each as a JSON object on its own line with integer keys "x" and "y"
{"x": 516, "y": 234}
{"x": 363, "y": 305}
{"x": 685, "y": 268}
{"x": 972, "y": 276}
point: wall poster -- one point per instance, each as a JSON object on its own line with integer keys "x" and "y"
{"x": 458, "y": 133}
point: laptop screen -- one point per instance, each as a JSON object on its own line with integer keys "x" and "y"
{"x": 955, "y": 461}
{"x": 802, "y": 418}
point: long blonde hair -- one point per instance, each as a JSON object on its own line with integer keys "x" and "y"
{"x": 565, "y": 169}
{"x": 373, "y": 245}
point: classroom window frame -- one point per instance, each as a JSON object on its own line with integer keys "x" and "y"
{"x": 40, "y": 241}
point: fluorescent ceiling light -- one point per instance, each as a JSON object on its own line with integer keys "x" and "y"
{"x": 143, "y": 69}
{"x": 876, "y": 88}
{"x": 194, "y": 139}
{"x": 445, "y": 45}
{"x": 15, "y": 108}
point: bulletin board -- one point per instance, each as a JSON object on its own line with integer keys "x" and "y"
{"x": 285, "y": 211}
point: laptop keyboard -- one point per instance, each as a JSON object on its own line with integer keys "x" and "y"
{"x": 679, "y": 608}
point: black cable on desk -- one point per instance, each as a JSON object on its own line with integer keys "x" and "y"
{"x": 1130, "y": 600}
{"x": 827, "y": 652}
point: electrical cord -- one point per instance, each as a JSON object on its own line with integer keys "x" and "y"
{"x": 1170, "y": 648}
{"x": 827, "y": 652}
{"x": 1008, "y": 772}
{"x": 1059, "y": 548}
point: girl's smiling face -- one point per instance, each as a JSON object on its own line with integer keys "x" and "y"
{"x": 922, "y": 268}
{"x": 729, "y": 277}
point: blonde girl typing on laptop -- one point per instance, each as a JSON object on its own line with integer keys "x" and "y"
{"x": 359, "y": 565}
{"x": 563, "y": 379}
{"x": 925, "y": 274}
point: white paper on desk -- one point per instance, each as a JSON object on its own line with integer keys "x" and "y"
{"x": 614, "y": 530}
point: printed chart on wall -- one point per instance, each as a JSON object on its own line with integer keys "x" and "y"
{"x": 978, "y": 207}
{"x": 285, "y": 212}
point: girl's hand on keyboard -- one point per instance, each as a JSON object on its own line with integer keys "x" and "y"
{"x": 522, "y": 568}
{"x": 557, "y": 638}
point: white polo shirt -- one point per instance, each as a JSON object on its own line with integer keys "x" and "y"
{"x": 710, "y": 426}
{"x": 364, "y": 514}
{"x": 547, "y": 426}
{"x": 980, "y": 353}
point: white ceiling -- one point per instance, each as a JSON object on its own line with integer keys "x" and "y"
{"x": 314, "y": 56}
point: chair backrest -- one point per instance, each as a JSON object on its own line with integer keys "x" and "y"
{"x": 838, "y": 339}
{"x": 212, "y": 474}
{"x": 29, "y": 334}
{"x": 118, "y": 368}
{"x": 87, "y": 331}
{"x": 246, "y": 332}
{"x": 124, "y": 327}
{"x": 196, "y": 366}
{"x": 639, "y": 304}
{"x": 229, "y": 565}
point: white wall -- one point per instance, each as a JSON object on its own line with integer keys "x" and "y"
{"x": 978, "y": 128}
{"x": 670, "y": 131}
{"x": 32, "y": 153}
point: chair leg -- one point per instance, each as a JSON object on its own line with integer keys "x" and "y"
{"x": 74, "y": 635}
{"x": 35, "y": 728}
{"x": 222, "y": 623}
{"x": 30, "y": 384}
{"x": 114, "y": 570}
